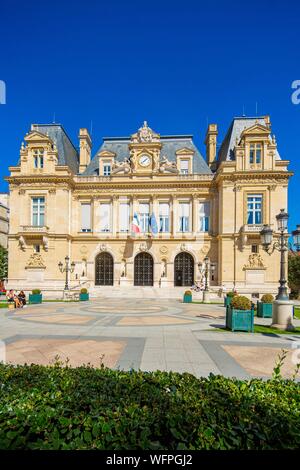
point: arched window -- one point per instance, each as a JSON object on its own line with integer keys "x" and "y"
{"x": 184, "y": 270}
{"x": 143, "y": 270}
{"x": 104, "y": 270}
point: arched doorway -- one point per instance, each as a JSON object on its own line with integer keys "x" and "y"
{"x": 104, "y": 270}
{"x": 184, "y": 270}
{"x": 143, "y": 270}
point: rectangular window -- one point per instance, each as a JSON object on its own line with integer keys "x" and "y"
{"x": 38, "y": 211}
{"x": 144, "y": 217}
{"x": 124, "y": 211}
{"x": 164, "y": 217}
{"x": 204, "y": 212}
{"x": 86, "y": 217}
{"x": 106, "y": 169}
{"x": 105, "y": 217}
{"x": 184, "y": 215}
{"x": 254, "y": 248}
{"x": 38, "y": 157}
{"x": 254, "y": 209}
{"x": 37, "y": 248}
{"x": 184, "y": 167}
{"x": 255, "y": 153}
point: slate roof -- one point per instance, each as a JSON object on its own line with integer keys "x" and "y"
{"x": 67, "y": 153}
{"x": 235, "y": 130}
{"x": 170, "y": 144}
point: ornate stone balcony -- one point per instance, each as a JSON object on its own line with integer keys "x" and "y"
{"x": 252, "y": 228}
{"x": 26, "y": 229}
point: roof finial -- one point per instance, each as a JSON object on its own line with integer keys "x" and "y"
{"x": 54, "y": 117}
{"x": 244, "y": 115}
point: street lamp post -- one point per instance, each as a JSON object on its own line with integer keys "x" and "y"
{"x": 282, "y": 307}
{"x": 68, "y": 268}
{"x": 206, "y": 294}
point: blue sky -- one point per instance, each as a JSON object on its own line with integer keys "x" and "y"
{"x": 177, "y": 64}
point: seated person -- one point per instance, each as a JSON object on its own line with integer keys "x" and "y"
{"x": 18, "y": 304}
{"x": 10, "y": 295}
{"x": 22, "y": 298}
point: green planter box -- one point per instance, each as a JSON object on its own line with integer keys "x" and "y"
{"x": 187, "y": 299}
{"x": 264, "y": 310}
{"x": 239, "y": 320}
{"x": 227, "y": 301}
{"x": 35, "y": 298}
{"x": 83, "y": 297}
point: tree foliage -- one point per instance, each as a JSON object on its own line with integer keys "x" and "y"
{"x": 294, "y": 273}
{"x": 3, "y": 263}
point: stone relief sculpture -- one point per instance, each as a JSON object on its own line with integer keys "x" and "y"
{"x": 35, "y": 261}
{"x": 121, "y": 167}
{"x": 163, "y": 271}
{"x": 166, "y": 165}
{"x": 123, "y": 268}
{"x": 255, "y": 261}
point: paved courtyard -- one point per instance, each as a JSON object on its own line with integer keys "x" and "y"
{"x": 145, "y": 334}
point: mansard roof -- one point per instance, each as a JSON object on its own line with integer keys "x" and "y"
{"x": 67, "y": 153}
{"x": 238, "y": 125}
{"x": 170, "y": 145}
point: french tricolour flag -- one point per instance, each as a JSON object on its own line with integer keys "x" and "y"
{"x": 135, "y": 226}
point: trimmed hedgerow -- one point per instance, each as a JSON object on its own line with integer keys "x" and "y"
{"x": 58, "y": 407}
{"x": 267, "y": 299}
{"x": 240, "y": 302}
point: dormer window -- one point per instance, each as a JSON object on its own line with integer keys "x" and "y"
{"x": 255, "y": 154}
{"x": 184, "y": 167}
{"x": 38, "y": 158}
{"x": 106, "y": 168}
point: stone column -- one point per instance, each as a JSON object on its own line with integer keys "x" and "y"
{"x": 194, "y": 214}
{"x": 115, "y": 215}
{"x": 174, "y": 221}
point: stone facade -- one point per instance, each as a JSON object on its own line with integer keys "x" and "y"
{"x": 4, "y": 219}
{"x": 64, "y": 202}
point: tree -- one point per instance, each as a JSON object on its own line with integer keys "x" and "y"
{"x": 294, "y": 273}
{"x": 3, "y": 263}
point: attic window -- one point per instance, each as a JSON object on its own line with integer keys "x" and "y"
{"x": 255, "y": 154}
{"x": 38, "y": 158}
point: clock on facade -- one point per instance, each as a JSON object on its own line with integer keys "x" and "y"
{"x": 144, "y": 160}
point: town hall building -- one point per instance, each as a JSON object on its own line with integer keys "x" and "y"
{"x": 146, "y": 210}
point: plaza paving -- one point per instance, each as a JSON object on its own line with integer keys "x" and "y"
{"x": 147, "y": 334}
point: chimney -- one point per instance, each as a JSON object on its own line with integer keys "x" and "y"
{"x": 211, "y": 144}
{"x": 85, "y": 146}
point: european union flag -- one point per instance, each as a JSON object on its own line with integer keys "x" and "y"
{"x": 153, "y": 224}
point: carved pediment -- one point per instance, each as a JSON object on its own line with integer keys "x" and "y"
{"x": 185, "y": 151}
{"x": 145, "y": 134}
{"x": 37, "y": 137}
{"x": 256, "y": 129}
{"x": 106, "y": 153}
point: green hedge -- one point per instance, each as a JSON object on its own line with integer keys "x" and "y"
{"x": 84, "y": 408}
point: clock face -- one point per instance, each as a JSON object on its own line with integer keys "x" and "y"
{"x": 144, "y": 160}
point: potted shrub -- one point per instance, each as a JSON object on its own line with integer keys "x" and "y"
{"x": 35, "y": 297}
{"x": 84, "y": 295}
{"x": 187, "y": 298}
{"x": 239, "y": 314}
{"x": 265, "y": 306}
{"x": 228, "y": 298}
